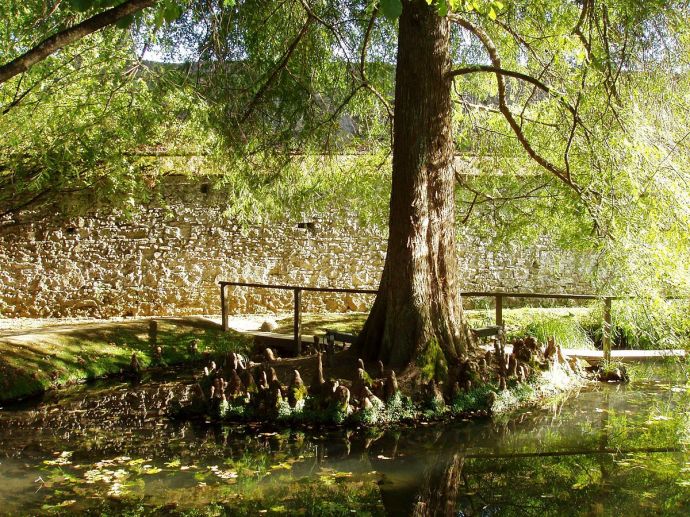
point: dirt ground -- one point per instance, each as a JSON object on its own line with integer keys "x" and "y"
{"x": 19, "y": 326}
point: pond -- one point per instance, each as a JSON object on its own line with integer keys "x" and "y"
{"x": 108, "y": 449}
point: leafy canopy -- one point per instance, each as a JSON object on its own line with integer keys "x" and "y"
{"x": 569, "y": 116}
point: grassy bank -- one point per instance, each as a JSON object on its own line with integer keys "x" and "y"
{"x": 663, "y": 325}
{"x": 572, "y": 327}
{"x": 36, "y": 361}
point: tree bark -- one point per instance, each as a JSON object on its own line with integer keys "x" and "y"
{"x": 418, "y": 307}
{"x": 70, "y": 35}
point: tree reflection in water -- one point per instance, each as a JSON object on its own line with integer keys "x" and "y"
{"x": 608, "y": 451}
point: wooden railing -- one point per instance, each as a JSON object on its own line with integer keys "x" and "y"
{"x": 498, "y": 296}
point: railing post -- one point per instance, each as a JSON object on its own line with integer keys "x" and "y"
{"x": 297, "y": 321}
{"x": 499, "y": 310}
{"x": 606, "y": 329}
{"x": 223, "y": 309}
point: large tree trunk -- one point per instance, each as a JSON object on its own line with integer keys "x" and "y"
{"x": 418, "y": 309}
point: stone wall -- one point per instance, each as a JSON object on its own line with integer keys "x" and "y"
{"x": 168, "y": 258}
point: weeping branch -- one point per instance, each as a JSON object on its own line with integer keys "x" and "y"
{"x": 279, "y": 67}
{"x": 63, "y": 38}
{"x": 363, "y": 68}
{"x": 563, "y": 174}
{"x": 507, "y": 73}
{"x": 501, "y": 73}
{"x": 585, "y": 14}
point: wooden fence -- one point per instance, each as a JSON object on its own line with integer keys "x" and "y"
{"x": 498, "y": 296}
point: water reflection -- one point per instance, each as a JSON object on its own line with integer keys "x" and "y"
{"x": 610, "y": 450}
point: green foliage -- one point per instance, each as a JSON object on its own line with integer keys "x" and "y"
{"x": 626, "y": 154}
{"x": 475, "y": 399}
{"x": 391, "y": 9}
{"x": 399, "y": 409}
{"x": 78, "y": 122}
{"x": 272, "y": 89}
{"x": 651, "y": 324}
{"x": 568, "y": 327}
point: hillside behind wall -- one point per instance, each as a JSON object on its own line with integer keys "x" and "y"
{"x": 168, "y": 257}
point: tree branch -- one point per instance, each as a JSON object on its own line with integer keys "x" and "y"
{"x": 63, "y": 38}
{"x": 507, "y": 73}
{"x": 363, "y": 69}
{"x": 280, "y": 66}
{"x": 497, "y": 69}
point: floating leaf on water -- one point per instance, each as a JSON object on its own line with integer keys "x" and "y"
{"x": 63, "y": 458}
{"x": 63, "y": 504}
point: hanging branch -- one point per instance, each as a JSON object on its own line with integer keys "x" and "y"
{"x": 500, "y": 73}
{"x": 63, "y": 38}
{"x": 280, "y": 66}
{"x": 577, "y": 30}
{"x": 362, "y": 67}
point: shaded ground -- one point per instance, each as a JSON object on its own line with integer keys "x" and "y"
{"x": 32, "y": 361}
{"x": 40, "y": 354}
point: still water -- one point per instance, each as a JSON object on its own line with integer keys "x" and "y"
{"x": 108, "y": 449}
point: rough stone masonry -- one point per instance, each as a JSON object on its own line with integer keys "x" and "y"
{"x": 168, "y": 257}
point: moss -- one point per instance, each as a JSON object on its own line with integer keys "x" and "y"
{"x": 432, "y": 363}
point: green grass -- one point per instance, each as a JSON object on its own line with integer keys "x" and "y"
{"x": 566, "y": 324}
{"x": 317, "y": 324}
{"x": 33, "y": 363}
{"x": 652, "y": 326}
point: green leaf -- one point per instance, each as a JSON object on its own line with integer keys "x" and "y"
{"x": 492, "y": 13}
{"x": 172, "y": 12}
{"x": 81, "y": 5}
{"x": 125, "y": 22}
{"x": 391, "y": 9}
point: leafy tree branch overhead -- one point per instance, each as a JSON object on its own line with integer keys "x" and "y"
{"x": 521, "y": 118}
{"x": 121, "y": 12}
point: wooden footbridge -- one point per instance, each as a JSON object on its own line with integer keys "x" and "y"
{"x": 293, "y": 343}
